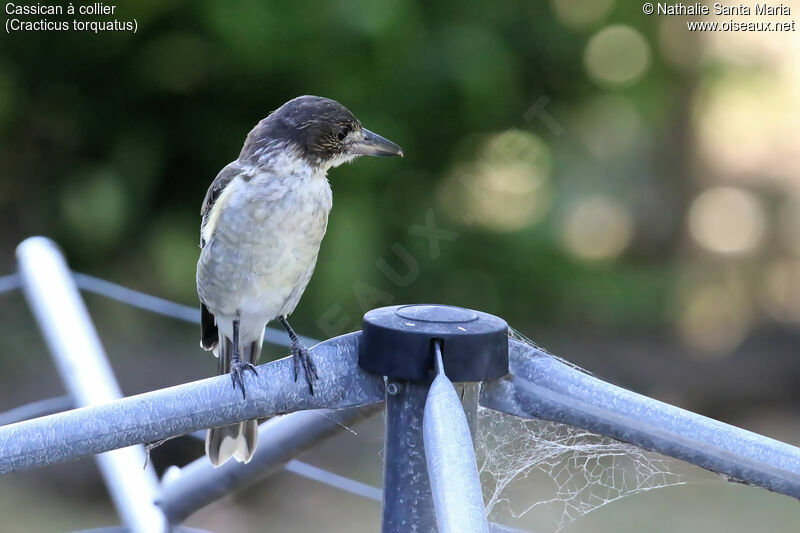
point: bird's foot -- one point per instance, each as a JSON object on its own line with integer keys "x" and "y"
{"x": 238, "y": 369}
{"x": 303, "y": 357}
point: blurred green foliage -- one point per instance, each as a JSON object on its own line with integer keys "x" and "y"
{"x": 582, "y": 221}
{"x": 109, "y": 142}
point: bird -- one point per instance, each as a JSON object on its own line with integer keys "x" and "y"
{"x": 263, "y": 220}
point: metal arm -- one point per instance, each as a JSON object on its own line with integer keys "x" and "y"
{"x": 84, "y": 369}
{"x": 541, "y": 386}
{"x": 452, "y": 469}
{"x": 194, "y": 486}
{"x": 182, "y": 409}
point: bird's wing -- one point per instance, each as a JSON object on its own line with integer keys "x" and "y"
{"x": 217, "y": 189}
{"x": 209, "y": 334}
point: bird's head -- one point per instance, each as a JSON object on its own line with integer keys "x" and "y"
{"x": 322, "y": 131}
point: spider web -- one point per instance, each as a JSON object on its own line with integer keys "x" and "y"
{"x": 549, "y": 474}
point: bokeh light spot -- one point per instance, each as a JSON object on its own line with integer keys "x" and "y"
{"x": 597, "y": 228}
{"x": 94, "y": 207}
{"x": 746, "y": 122}
{"x": 609, "y": 125}
{"x": 727, "y": 220}
{"x": 617, "y": 55}
{"x": 715, "y": 318}
{"x": 506, "y": 188}
{"x": 579, "y": 14}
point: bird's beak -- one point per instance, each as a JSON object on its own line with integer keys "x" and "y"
{"x": 373, "y": 144}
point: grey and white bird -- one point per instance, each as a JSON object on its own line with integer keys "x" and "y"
{"x": 263, "y": 220}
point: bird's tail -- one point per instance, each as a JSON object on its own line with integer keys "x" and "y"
{"x": 236, "y": 440}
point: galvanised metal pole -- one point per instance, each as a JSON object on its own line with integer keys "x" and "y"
{"x": 320, "y": 475}
{"x": 407, "y": 498}
{"x": 190, "y": 407}
{"x": 452, "y": 469}
{"x": 199, "y": 483}
{"x": 155, "y": 304}
{"x": 397, "y": 342}
{"x": 314, "y": 473}
{"x": 48, "y": 406}
{"x": 341, "y": 416}
{"x": 336, "y": 481}
{"x": 544, "y": 387}
{"x": 82, "y": 363}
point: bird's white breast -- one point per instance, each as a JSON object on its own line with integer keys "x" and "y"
{"x": 264, "y": 243}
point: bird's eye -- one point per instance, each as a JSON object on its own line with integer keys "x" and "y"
{"x": 343, "y": 133}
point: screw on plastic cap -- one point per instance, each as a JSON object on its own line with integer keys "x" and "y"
{"x": 397, "y": 342}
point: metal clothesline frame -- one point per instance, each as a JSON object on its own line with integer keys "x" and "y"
{"x": 437, "y": 470}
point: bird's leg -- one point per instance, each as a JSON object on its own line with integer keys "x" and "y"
{"x": 301, "y": 356}
{"x": 237, "y": 366}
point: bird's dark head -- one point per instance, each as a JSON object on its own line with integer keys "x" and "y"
{"x": 322, "y": 131}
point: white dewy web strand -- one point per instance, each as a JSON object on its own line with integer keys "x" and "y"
{"x": 550, "y": 474}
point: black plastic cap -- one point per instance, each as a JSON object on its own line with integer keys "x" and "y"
{"x": 397, "y": 342}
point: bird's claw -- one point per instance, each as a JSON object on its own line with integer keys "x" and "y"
{"x": 303, "y": 356}
{"x": 238, "y": 369}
